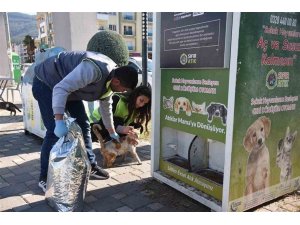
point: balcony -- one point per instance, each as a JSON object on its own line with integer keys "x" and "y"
{"x": 128, "y": 16}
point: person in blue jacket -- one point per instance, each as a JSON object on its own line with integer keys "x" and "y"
{"x": 61, "y": 83}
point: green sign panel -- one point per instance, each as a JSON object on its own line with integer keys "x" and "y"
{"x": 195, "y": 101}
{"x": 265, "y": 151}
{"x": 16, "y": 66}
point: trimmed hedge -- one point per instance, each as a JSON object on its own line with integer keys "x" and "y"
{"x": 110, "y": 44}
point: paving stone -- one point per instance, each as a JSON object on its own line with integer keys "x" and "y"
{"x": 19, "y": 161}
{"x": 30, "y": 182}
{"x": 39, "y": 207}
{"x": 21, "y": 208}
{"x": 262, "y": 210}
{"x": 124, "y": 209}
{"x": 123, "y": 178}
{"x": 112, "y": 182}
{"x": 21, "y": 169}
{"x": 90, "y": 198}
{"x": 119, "y": 195}
{"x": 98, "y": 183}
{"x": 291, "y": 208}
{"x": 137, "y": 172}
{"x": 3, "y": 184}
{"x": 136, "y": 201}
{"x": 13, "y": 190}
{"x": 22, "y": 178}
{"x": 144, "y": 209}
{"x": 104, "y": 192}
{"x": 155, "y": 206}
{"x": 11, "y": 202}
{"x": 7, "y": 175}
{"x": 107, "y": 204}
{"x": 31, "y": 198}
{"x": 4, "y": 171}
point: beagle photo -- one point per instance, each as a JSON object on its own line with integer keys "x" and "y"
{"x": 184, "y": 104}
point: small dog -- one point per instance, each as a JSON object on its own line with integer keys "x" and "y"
{"x": 184, "y": 104}
{"x": 217, "y": 110}
{"x": 258, "y": 165}
{"x": 9, "y": 107}
{"x": 111, "y": 149}
{"x": 283, "y": 158}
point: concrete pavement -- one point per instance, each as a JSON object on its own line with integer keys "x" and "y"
{"x": 130, "y": 188}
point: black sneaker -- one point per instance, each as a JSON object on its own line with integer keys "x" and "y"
{"x": 43, "y": 185}
{"x": 99, "y": 173}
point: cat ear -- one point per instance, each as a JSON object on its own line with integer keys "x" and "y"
{"x": 172, "y": 98}
{"x": 294, "y": 135}
{"x": 287, "y": 131}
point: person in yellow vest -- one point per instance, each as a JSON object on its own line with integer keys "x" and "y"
{"x": 131, "y": 110}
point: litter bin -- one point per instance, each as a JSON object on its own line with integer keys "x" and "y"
{"x": 33, "y": 122}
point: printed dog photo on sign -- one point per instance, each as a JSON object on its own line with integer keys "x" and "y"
{"x": 217, "y": 110}
{"x": 283, "y": 158}
{"x": 258, "y": 163}
{"x": 168, "y": 103}
{"x": 199, "y": 108}
{"x": 183, "y": 104}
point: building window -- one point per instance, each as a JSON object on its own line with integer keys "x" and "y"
{"x": 128, "y": 16}
{"x": 150, "y": 17}
{"x": 128, "y": 30}
{"x": 112, "y": 27}
{"x": 42, "y": 30}
{"x": 108, "y": 13}
{"x": 130, "y": 45}
{"x": 150, "y": 32}
{"x": 101, "y": 27}
{"x": 149, "y": 45}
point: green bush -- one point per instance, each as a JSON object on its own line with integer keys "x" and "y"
{"x": 110, "y": 44}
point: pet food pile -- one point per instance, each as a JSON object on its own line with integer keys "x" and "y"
{"x": 68, "y": 172}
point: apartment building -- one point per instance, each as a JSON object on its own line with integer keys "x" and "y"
{"x": 21, "y": 50}
{"x": 129, "y": 25}
{"x": 65, "y": 29}
{"x": 45, "y": 29}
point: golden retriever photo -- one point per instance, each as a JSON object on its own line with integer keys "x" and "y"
{"x": 258, "y": 164}
{"x": 111, "y": 149}
{"x": 184, "y": 104}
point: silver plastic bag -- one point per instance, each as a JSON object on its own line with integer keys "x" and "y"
{"x": 68, "y": 172}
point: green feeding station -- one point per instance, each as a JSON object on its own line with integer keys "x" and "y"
{"x": 226, "y": 99}
{"x": 16, "y": 63}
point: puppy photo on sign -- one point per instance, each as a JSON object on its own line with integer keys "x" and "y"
{"x": 217, "y": 110}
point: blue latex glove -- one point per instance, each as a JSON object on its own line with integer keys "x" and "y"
{"x": 60, "y": 128}
{"x": 115, "y": 136}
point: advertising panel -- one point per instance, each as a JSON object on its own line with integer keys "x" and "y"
{"x": 192, "y": 39}
{"x": 265, "y": 151}
{"x": 193, "y": 113}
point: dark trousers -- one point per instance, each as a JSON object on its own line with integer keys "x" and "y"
{"x": 43, "y": 94}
